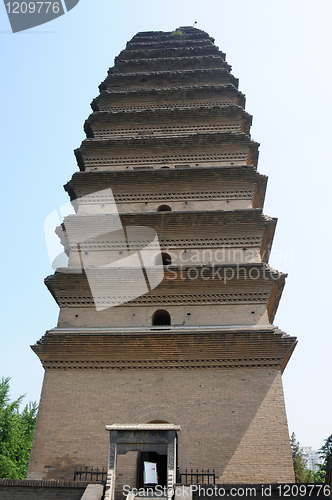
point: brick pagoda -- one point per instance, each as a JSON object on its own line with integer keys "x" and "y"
{"x": 170, "y": 136}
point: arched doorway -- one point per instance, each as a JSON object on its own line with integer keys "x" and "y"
{"x": 161, "y": 318}
{"x": 157, "y": 460}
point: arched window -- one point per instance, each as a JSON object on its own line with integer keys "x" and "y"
{"x": 163, "y": 258}
{"x": 161, "y": 318}
{"x": 164, "y": 208}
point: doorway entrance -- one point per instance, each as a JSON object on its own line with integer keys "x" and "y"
{"x": 161, "y": 464}
{"x": 156, "y": 446}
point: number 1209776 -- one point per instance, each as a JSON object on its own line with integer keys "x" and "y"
{"x": 33, "y": 7}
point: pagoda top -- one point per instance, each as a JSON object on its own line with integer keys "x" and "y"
{"x": 184, "y": 29}
{"x": 179, "y": 33}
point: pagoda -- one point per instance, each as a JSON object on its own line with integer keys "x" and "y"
{"x": 187, "y": 374}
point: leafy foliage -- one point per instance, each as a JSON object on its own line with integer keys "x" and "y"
{"x": 16, "y": 433}
{"x": 320, "y": 475}
{"x": 177, "y": 32}
{"x": 302, "y": 473}
{"x": 324, "y": 452}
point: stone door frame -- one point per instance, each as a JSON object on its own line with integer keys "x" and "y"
{"x": 141, "y": 437}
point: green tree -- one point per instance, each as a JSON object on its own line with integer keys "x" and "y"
{"x": 16, "y": 433}
{"x": 302, "y": 473}
{"x": 324, "y": 452}
{"x": 319, "y": 476}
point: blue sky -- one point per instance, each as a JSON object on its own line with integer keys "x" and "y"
{"x": 280, "y": 51}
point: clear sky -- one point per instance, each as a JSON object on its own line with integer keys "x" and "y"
{"x": 280, "y": 51}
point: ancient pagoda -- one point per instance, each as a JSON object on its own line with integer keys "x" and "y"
{"x": 186, "y": 375}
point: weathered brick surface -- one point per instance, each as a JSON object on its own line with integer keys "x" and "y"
{"x": 126, "y": 472}
{"x": 16, "y": 489}
{"x": 231, "y": 420}
{"x": 93, "y": 492}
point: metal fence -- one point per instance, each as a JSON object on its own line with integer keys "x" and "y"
{"x": 191, "y": 476}
{"x": 196, "y": 477}
{"x": 90, "y": 474}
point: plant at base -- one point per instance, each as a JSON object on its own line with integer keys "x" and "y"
{"x": 16, "y": 433}
{"x": 302, "y": 473}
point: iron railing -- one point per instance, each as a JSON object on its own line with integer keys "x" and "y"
{"x": 196, "y": 477}
{"x": 90, "y": 474}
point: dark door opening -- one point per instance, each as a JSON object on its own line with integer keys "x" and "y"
{"x": 160, "y": 460}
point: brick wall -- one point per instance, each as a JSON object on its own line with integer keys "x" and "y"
{"x": 17, "y": 489}
{"x": 232, "y": 420}
{"x": 126, "y": 472}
